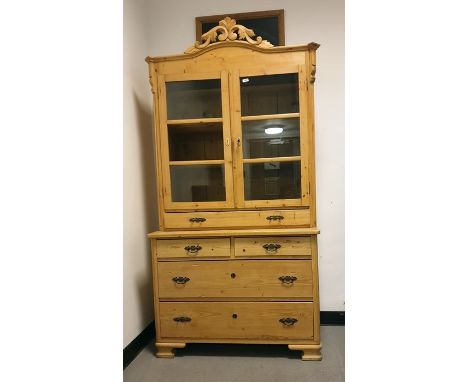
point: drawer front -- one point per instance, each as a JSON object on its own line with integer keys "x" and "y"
{"x": 249, "y": 278}
{"x": 237, "y": 320}
{"x": 237, "y": 219}
{"x": 272, "y": 246}
{"x": 193, "y": 248}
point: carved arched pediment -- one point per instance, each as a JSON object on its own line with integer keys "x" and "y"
{"x": 227, "y": 31}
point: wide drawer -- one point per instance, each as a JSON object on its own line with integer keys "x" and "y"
{"x": 237, "y": 219}
{"x": 237, "y": 320}
{"x": 248, "y": 278}
{"x": 272, "y": 246}
{"x": 193, "y": 248}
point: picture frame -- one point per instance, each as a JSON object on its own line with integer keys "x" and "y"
{"x": 267, "y": 24}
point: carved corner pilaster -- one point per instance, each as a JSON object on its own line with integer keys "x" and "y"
{"x": 152, "y": 84}
{"x": 312, "y": 74}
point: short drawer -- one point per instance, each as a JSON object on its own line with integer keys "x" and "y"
{"x": 273, "y": 246}
{"x": 237, "y": 219}
{"x": 238, "y": 278}
{"x": 193, "y": 248}
{"x": 237, "y": 320}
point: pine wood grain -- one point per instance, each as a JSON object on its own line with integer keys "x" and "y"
{"x": 167, "y": 249}
{"x": 249, "y": 278}
{"x": 237, "y": 219}
{"x": 254, "y": 320}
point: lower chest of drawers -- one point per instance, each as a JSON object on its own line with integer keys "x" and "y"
{"x": 236, "y": 289}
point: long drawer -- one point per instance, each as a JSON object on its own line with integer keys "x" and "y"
{"x": 240, "y": 278}
{"x": 193, "y": 248}
{"x": 272, "y": 246}
{"x": 237, "y": 219}
{"x": 237, "y": 320}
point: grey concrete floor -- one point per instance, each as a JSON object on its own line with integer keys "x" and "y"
{"x": 242, "y": 363}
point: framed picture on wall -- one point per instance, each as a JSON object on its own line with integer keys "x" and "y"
{"x": 267, "y": 24}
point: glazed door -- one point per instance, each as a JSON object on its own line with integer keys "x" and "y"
{"x": 269, "y": 129}
{"x": 195, "y": 139}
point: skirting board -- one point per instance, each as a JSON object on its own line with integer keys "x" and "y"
{"x": 138, "y": 344}
{"x": 148, "y": 334}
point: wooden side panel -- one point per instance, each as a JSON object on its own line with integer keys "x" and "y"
{"x": 240, "y": 279}
{"x": 272, "y": 246}
{"x": 311, "y": 139}
{"x": 153, "y": 75}
{"x": 154, "y": 269}
{"x": 315, "y": 273}
{"x": 193, "y": 248}
{"x": 304, "y": 128}
{"x": 237, "y": 320}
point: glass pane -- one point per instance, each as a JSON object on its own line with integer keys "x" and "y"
{"x": 272, "y": 180}
{"x": 196, "y": 142}
{"x": 273, "y": 94}
{"x": 198, "y": 183}
{"x": 193, "y": 99}
{"x": 271, "y": 138}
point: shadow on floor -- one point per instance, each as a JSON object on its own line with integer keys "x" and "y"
{"x": 236, "y": 350}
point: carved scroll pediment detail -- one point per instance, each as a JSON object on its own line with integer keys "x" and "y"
{"x": 151, "y": 83}
{"x": 312, "y": 74}
{"x": 228, "y": 30}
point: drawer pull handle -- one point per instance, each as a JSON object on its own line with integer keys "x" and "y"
{"x": 271, "y": 247}
{"x": 180, "y": 279}
{"x": 287, "y": 279}
{"x": 275, "y": 217}
{"x": 197, "y": 220}
{"x": 182, "y": 319}
{"x": 288, "y": 321}
{"x": 193, "y": 248}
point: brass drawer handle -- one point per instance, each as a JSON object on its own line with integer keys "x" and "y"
{"x": 275, "y": 217}
{"x": 197, "y": 220}
{"x": 182, "y": 319}
{"x": 193, "y": 248}
{"x": 287, "y": 279}
{"x": 180, "y": 279}
{"x": 271, "y": 247}
{"x": 288, "y": 321}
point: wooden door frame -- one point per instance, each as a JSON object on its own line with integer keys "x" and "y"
{"x": 169, "y": 205}
{"x": 236, "y": 133}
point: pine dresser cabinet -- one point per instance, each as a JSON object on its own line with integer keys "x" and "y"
{"x": 235, "y": 256}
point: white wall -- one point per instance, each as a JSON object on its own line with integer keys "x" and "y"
{"x": 172, "y": 30}
{"x": 140, "y": 214}
{"x": 163, "y": 27}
